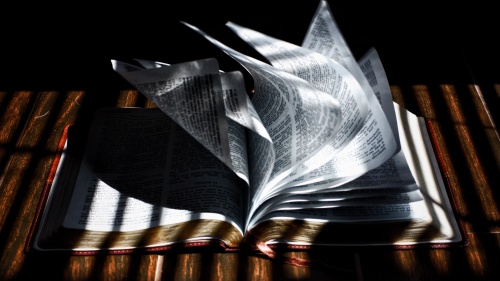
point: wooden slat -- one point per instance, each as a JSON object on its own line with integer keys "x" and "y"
{"x": 15, "y": 109}
{"x": 27, "y": 169}
{"x": 31, "y": 127}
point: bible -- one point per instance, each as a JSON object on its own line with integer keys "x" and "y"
{"x": 318, "y": 155}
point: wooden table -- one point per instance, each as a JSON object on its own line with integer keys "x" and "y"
{"x": 451, "y": 84}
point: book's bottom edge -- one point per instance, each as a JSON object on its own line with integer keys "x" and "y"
{"x": 180, "y": 247}
{"x": 221, "y": 247}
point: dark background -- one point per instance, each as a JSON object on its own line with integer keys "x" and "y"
{"x": 69, "y": 46}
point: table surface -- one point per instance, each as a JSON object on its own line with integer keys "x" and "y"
{"x": 440, "y": 64}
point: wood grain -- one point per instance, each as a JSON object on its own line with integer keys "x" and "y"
{"x": 32, "y": 124}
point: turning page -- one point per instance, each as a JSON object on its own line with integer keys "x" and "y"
{"x": 365, "y": 139}
{"x": 300, "y": 118}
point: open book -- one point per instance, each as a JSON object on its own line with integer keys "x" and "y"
{"x": 318, "y": 155}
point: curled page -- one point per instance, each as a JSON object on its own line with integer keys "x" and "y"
{"x": 310, "y": 201}
{"x": 396, "y": 166}
{"x": 374, "y": 143}
{"x": 372, "y": 68}
{"x": 190, "y": 93}
{"x": 325, "y": 37}
{"x": 240, "y": 110}
{"x": 325, "y": 74}
{"x": 300, "y": 118}
{"x": 241, "y": 114}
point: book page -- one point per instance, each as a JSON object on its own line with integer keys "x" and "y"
{"x": 428, "y": 204}
{"x": 309, "y": 201}
{"x": 334, "y": 198}
{"x": 394, "y": 172}
{"x": 324, "y": 36}
{"x": 235, "y": 108}
{"x": 393, "y": 175}
{"x": 142, "y": 170}
{"x": 190, "y": 93}
{"x": 300, "y": 118}
{"x": 391, "y": 178}
{"x": 365, "y": 139}
{"x": 241, "y": 110}
{"x": 324, "y": 74}
{"x": 356, "y": 213}
{"x": 373, "y": 69}
{"x": 422, "y": 162}
{"x": 240, "y": 113}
